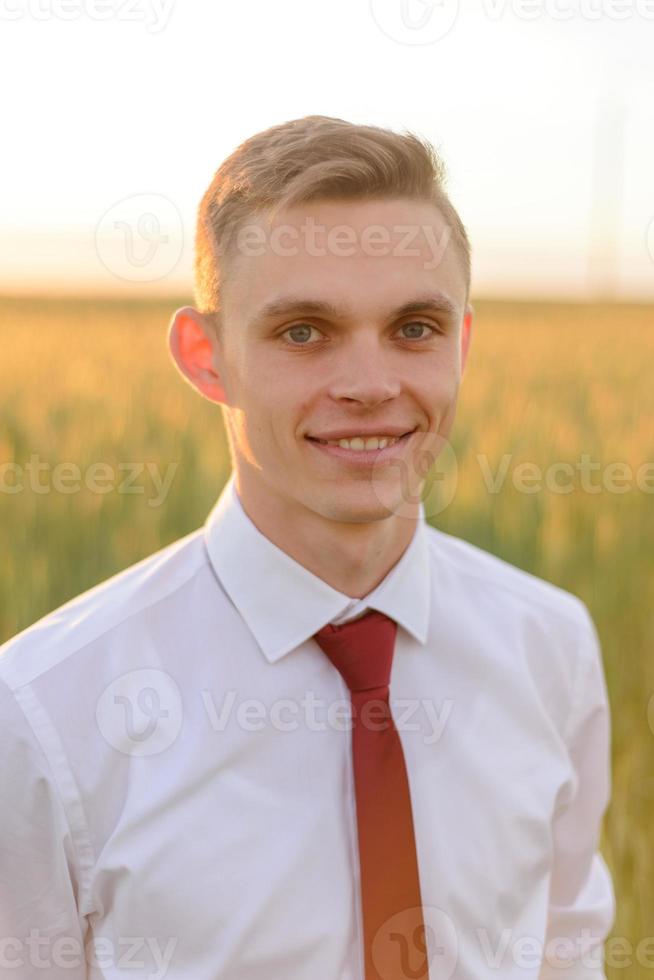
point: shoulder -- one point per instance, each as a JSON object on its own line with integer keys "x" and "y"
{"x": 120, "y": 601}
{"x": 527, "y": 625}
{"x": 481, "y": 577}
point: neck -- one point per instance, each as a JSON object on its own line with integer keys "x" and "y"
{"x": 352, "y": 558}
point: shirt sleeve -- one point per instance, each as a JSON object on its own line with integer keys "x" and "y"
{"x": 41, "y": 929}
{"x": 582, "y": 909}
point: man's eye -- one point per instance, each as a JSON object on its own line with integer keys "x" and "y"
{"x": 301, "y": 333}
{"x": 420, "y": 325}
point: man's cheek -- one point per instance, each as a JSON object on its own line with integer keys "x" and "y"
{"x": 444, "y": 387}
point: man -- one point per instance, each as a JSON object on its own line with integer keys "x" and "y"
{"x": 316, "y": 738}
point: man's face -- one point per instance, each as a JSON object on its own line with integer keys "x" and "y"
{"x": 296, "y": 375}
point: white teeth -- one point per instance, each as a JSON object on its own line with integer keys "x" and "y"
{"x": 358, "y": 443}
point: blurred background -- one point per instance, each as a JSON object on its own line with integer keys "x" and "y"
{"x": 543, "y": 110}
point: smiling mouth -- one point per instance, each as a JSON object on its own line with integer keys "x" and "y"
{"x": 360, "y": 444}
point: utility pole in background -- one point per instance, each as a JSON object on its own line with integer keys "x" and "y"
{"x": 606, "y": 202}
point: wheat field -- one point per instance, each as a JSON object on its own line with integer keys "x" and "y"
{"x": 89, "y": 383}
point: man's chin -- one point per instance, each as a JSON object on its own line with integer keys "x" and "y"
{"x": 358, "y": 503}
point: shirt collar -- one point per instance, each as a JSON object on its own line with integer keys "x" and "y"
{"x": 282, "y": 602}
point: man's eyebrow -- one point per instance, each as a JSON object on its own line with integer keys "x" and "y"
{"x": 287, "y": 305}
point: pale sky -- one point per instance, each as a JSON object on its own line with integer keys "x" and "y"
{"x": 139, "y": 101}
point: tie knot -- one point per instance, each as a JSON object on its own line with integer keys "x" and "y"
{"x": 361, "y": 650}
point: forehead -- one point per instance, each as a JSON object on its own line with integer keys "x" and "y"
{"x": 365, "y": 256}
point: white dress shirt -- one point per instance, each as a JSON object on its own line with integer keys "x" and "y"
{"x": 177, "y": 786}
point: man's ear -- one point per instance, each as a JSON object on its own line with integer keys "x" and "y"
{"x": 466, "y": 330}
{"x": 192, "y": 343}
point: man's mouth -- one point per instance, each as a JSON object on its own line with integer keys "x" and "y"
{"x": 360, "y": 442}
{"x": 363, "y": 444}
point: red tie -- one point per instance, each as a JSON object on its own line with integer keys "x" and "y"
{"x": 395, "y": 945}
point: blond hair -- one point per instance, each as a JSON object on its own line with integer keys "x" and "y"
{"x": 310, "y": 159}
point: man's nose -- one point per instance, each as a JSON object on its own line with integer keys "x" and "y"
{"x": 365, "y": 372}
